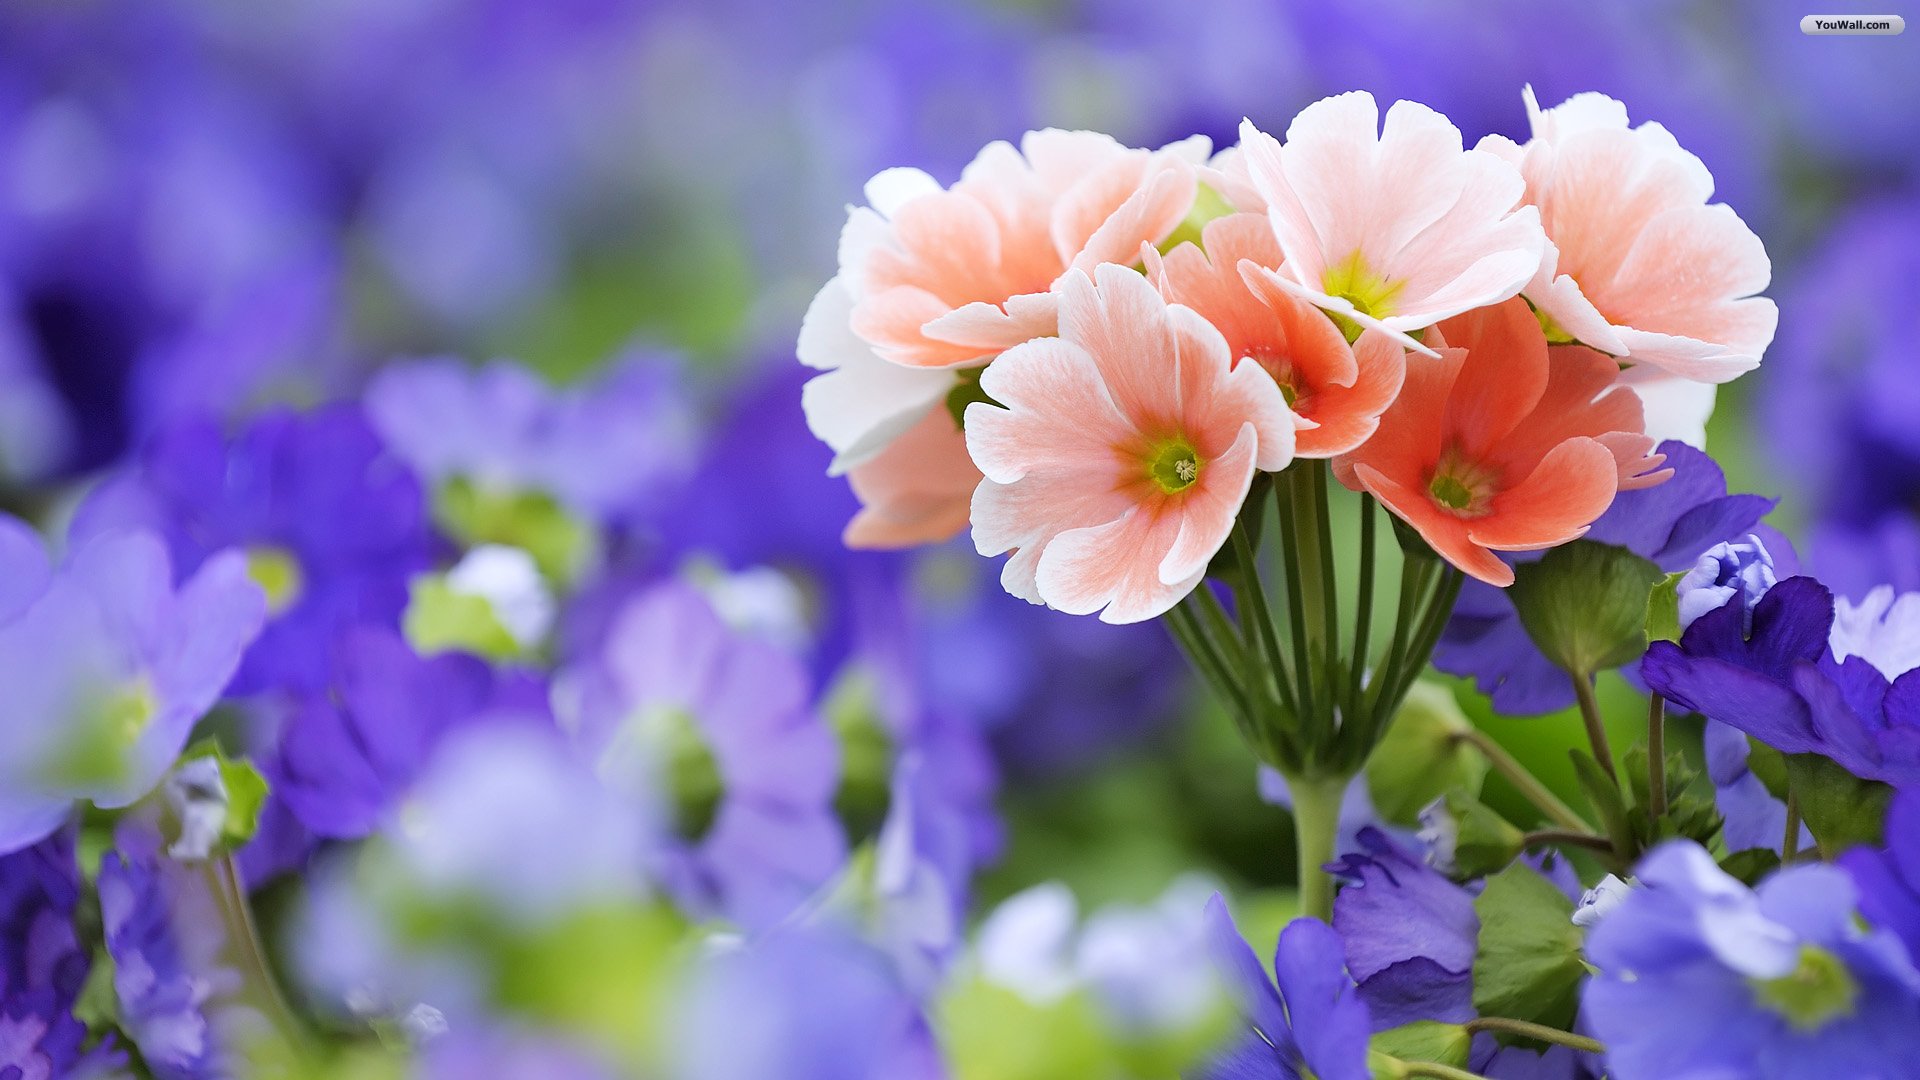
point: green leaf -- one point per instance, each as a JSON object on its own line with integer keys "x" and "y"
{"x": 1752, "y": 864}
{"x": 1769, "y": 765}
{"x": 1840, "y": 809}
{"x": 1604, "y": 796}
{"x": 1584, "y": 605}
{"x": 246, "y": 792}
{"x": 1663, "y": 610}
{"x": 1425, "y": 1040}
{"x": 1527, "y": 964}
{"x": 533, "y": 521}
{"x": 1691, "y": 811}
{"x": 1422, "y": 757}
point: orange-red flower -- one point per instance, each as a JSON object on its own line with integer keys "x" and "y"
{"x": 1503, "y": 443}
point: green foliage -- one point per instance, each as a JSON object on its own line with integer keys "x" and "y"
{"x": 246, "y": 793}
{"x": 1840, "y": 809}
{"x": 440, "y": 619}
{"x": 993, "y": 1033}
{"x": 1751, "y": 865}
{"x": 1584, "y": 605}
{"x": 1605, "y": 798}
{"x": 472, "y": 513}
{"x": 1421, "y": 759}
{"x": 1663, "y": 610}
{"x": 1425, "y": 1040}
{"x": 1691, "y": 812}
{"x": 852, "y": 709}
{"x": 1527, "y": 964}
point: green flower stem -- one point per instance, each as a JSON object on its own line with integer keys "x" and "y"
{"x": 1363, "y": 608}
{"x": 1436, "y": 1071}
{"x": 1257, "y": 617}
{"x": 1290, "y": 542}
{"x": 1790, "y": 844}
{"x": 1207, "y": 658}
{"x": 222, "y": 879}
{"x": 1657, "y": 757}
{"x": 1526, "y": 1029}
{"x": 1316, "y": 828}
{"x": 1596, "y": 727}
{"x": 1525, "y": 782}
{"x": 1591, "y": 841}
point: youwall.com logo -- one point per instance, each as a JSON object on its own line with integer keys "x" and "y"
{"x": 1853, "y": 24}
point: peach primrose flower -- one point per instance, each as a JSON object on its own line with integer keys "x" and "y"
{"x": 934, "y": 281}
{"x": 1392, "y": 229}
{"x": 1337, "y": 390}
{"x": 1118, "y": 454}
{"x": 1638, "y": 264}
{"x": 1503, "y": 443}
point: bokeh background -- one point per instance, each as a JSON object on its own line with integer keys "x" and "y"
{"x": 225, "y": 207}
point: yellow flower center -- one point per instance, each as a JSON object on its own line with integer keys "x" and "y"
{"x": 1174, "y": 466}
{"x": 1461, "y": 487}
{"x": 1357, "y": 283}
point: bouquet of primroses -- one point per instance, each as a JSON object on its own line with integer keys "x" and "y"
{"x": 1181, "y": 384}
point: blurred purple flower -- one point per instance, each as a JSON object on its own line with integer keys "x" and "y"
{"x": 801, "y": 1004}
{"x": 39, "y": 891}
{"x": 720, "y": 727}
{"x": 1410, "y": 935}
{"x": 1315, "y": 1023}
{"x": 503, "y": 1053}
{"x": 108, "y": 667}
{"x": 346, "y": 756}
{"x": 163, "y": 931}
{"x": 1671, "y": 524}
{"x": 1698, "y": 975}
{"x": 331, "y": 523}
{"x": 1841, "y": 391}
{"x": 604, "y": 451}
{"x": 1888, "y": 878}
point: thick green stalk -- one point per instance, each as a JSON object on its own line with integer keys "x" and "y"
{"x": 1316, "y": 828}
{"x": 1362, "y": 610}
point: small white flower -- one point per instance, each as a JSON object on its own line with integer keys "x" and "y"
{"x": 1598, "y": 902}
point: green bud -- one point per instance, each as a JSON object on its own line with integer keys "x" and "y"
{"x": 1584, "y": 604}
{"x": 1469, "y": 840}
{"x": 1422, "y": 756}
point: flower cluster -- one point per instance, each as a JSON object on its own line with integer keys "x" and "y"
{"x": 1055, "y": 349}
{"x": 443, "y": 633}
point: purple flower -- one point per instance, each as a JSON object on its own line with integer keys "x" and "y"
{"x": 346, "y": 756}
{"x": 1751, "y": 817}
{"x": 1841, "y": 387}
{"x": 499, "y": 1052}
{"x": 108, "y": 667}
{"x": 1314, "y": 1024}
{"x": 331, "y": 523}
{"x": 1784, "y": 686}
{"x": 1733, "y": 568}
{"x": 602, "y": 451}
{"x": 1698, "y": 976}
{"x": 1888, "y": 878}
{"x": 39, "y": 951}
{"x": 720, "y": 726}
{"x": 800, "y": 1004}
{"x": 1672, "y": 524}
{"x": 1410, "y": 935}
{"x": 163, "y": 930}
{"x": 40, "y": 1038}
